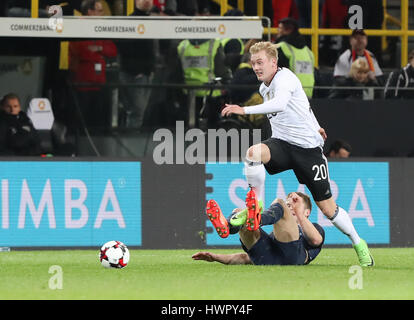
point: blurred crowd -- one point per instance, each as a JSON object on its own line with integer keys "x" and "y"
{"x": 350, "y": 66}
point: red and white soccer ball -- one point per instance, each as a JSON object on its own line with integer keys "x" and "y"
{"x": 114, "y": 254}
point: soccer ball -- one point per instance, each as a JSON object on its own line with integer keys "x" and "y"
{"x": 114, "y": 254}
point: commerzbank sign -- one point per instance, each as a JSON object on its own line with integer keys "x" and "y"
{"x": 127, "y": 27}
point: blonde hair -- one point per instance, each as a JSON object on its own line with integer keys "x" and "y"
{"x": 358, "y": 65}
{"x": 268, "y": 47}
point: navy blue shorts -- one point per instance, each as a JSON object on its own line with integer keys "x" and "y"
{"x": 268, "y": 251}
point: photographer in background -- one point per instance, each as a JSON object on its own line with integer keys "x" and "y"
{"x": 18, "y": 136}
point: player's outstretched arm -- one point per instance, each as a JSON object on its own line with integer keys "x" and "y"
{"x": 235, "y": 258}
{"x": 230, "y": 109}
{"x": 312, "y": 235}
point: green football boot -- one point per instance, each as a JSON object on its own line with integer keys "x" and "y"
{"x": 239, "y": 218}
{"x": 364, "y": 256}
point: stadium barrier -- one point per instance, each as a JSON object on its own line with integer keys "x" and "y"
{"x": 83, "y": 203}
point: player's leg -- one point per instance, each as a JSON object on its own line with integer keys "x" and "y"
{"x": 341, "y": 220}
{"x": 286, "y": 228}
{"x": 278, "y": 214}
{"x": 250, "y": 233}
{"x": 254, "y": 169}
{"x": 327, "y": 204}
{"x": 269, "y": 156}
{"x": 249, "y": 215}
{"x": 274, "y": 249}
{"x": 249, "y": 238}
{"x": 311, "y": 168}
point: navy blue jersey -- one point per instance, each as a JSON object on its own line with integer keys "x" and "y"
{"x": 312, "y": 251}
{"x": 269, "y": 251}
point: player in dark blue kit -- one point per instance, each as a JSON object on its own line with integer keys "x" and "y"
{"x": 294, "y": 240}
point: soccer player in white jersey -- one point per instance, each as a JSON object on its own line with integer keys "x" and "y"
{"x": 296, "y": 142}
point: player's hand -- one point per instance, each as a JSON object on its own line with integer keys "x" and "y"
{"x": 296, "y": 206}
{"x": 206, "y": 256}
{"x": 322, "y": 132}
{"x": 292, "y": 202}
{"x": 230, "y": 109}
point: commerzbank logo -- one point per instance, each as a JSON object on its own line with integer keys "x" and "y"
{"x": 141, "y": 29}
{"x": 222, "y": 29}
{"x": 41, "y": 105}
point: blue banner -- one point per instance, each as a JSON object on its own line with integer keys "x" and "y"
{"x": 361, "y": 188}
{"x": 70, "y": 203}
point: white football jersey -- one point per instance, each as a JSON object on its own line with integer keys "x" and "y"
{"x": 288, "y": 110}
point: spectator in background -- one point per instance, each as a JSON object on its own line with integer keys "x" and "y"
{"x": 244, "y": 75}
{"x": 372, "y": 18}
{"x": 339, "y": 149}
{"x": 4, "y": 150}
{"x": 401, "y": 79}
{"x": 250, "y": 9}
{"x": 87, "y": 63}
{"x": 68, "y": 7}
{"x": 22, "y": 8}
{"x": 334, "y": 15}
{"x": 192, "y": 7}
{"x": 359, "y": 76}
{"x": 304, "y": 8}
{"x": 201, "y": 61}
{"x": 165, "y": 7}
{"x": 358, "y": 42}
{"x": 295, "y": 55}
{"x": 137, "y": 58}
{"x": 283, "y": 9}
{"x": 18, "y": 136}
{"x": 187, "y": 7}
{"x": 233, "y": 48}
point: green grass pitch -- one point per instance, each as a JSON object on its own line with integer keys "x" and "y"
{"x": 173, "y": 275}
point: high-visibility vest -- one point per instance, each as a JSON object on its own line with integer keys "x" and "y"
{"x": 301, "y": 63}
{"x": 198, "y": 63}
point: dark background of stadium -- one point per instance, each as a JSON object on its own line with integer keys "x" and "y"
{"x": 374, "y": 128}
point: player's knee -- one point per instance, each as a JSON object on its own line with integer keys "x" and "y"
{"x": 327, "y": 207}
{"x": 253, "y": 154}
{"x": 258, "y": 153}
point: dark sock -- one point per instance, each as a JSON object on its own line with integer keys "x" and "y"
{"x": 269, "y": 216}
{"x": 233, "y": 229}
{"x": 272, "y": 215}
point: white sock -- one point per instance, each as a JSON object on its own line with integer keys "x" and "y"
{"x": 255, "y": 174}
{"x": 342, "y": 221}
